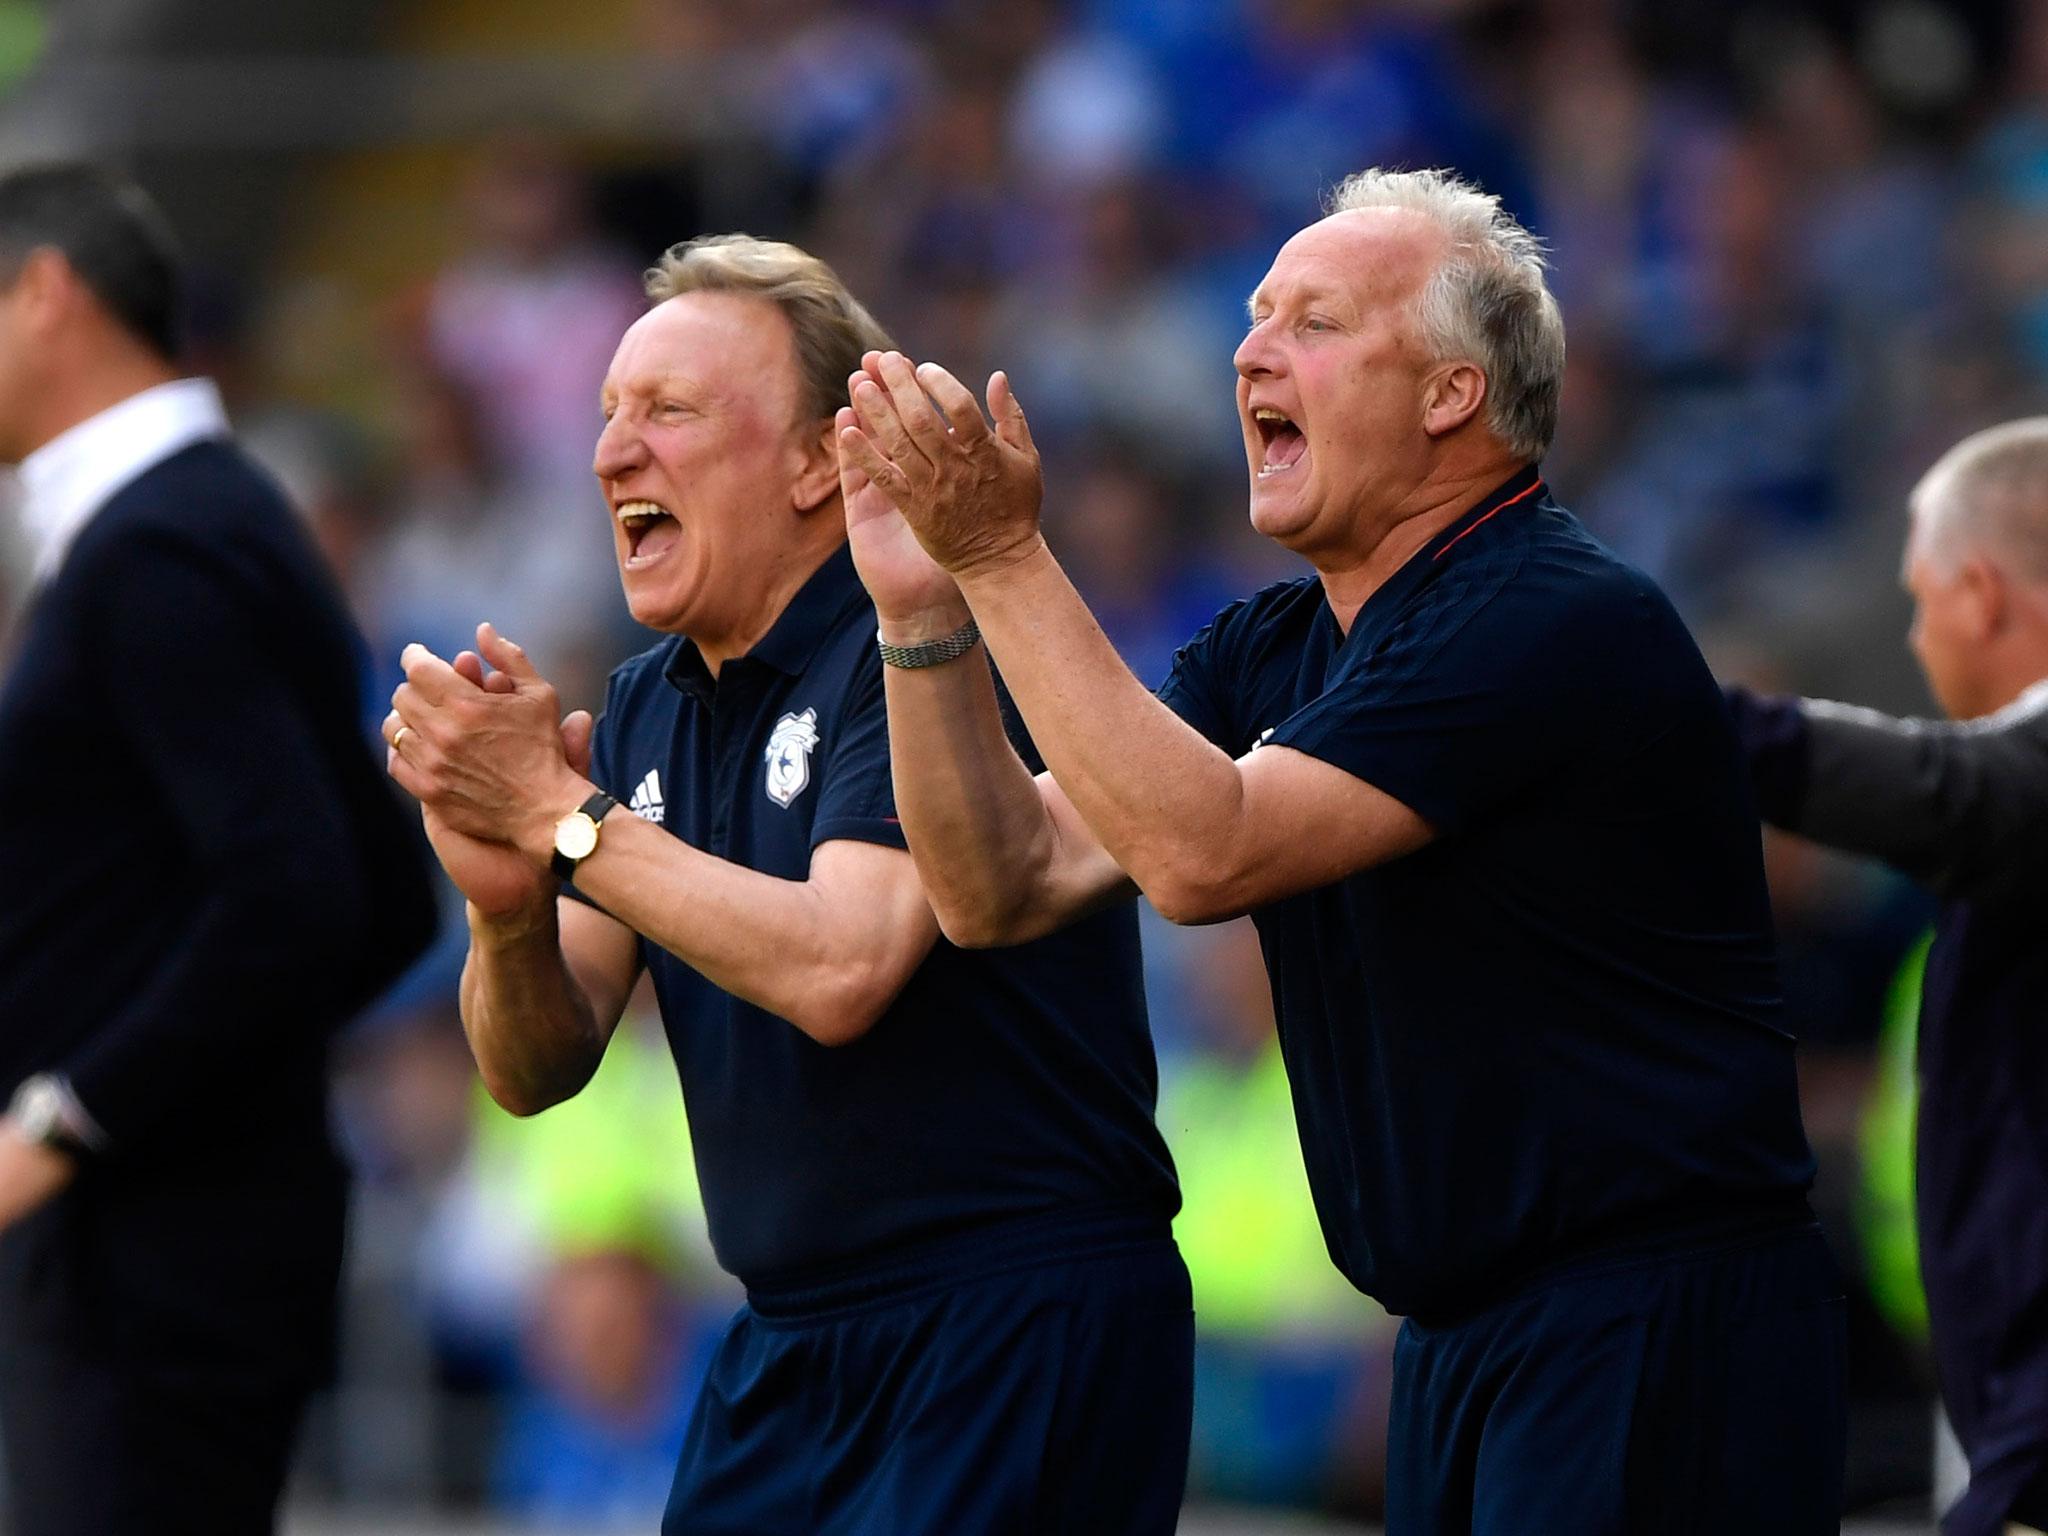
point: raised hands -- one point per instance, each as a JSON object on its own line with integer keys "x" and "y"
{"x": 490, "y": 765}
{"x": 912, "y": 593}
{"x": 969, "y": 493}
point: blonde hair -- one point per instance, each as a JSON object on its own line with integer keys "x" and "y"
{"x": 1988, "y": 493}
{"x": 1487, "y": 301}
{"x": 831, "y": 326}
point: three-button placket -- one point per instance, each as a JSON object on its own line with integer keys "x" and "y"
{"x": 734, "y": 712}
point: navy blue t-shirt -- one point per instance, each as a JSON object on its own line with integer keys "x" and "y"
{"x": 1000, "y": 1083}
{"x": 1557, "y": 1025}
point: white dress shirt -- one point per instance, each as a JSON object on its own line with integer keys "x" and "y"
{"x": 77, "y": 472}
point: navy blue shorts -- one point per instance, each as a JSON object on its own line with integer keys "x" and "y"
{"x": 1040, "y": 1395}
{"x": 1698, "y": 1393}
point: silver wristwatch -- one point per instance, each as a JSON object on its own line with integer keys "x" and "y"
{"x": 931, "y": 653}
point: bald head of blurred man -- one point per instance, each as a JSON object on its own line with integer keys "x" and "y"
{"x": 1977, "y": 568}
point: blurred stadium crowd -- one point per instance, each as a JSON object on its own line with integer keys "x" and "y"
{"x": 1800, "y": 250}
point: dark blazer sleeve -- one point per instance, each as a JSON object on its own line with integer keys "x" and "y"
{"x": 224, "y": 734}
{"x": 1960, "y": 805}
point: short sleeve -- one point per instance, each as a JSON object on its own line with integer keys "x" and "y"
{"x": 1199, "y": 685}
{"x": 856, "y": 795}
{"x": 604, "y": 751}
{"x": 1469, "y": 702}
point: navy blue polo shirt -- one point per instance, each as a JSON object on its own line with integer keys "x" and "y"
{"x": 1556, "y": 1028}
{"x": 1000, "y": 1084}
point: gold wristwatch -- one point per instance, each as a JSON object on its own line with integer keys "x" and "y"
{"x": 576, "y": 835}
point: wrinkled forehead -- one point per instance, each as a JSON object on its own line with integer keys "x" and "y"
{"x": 723, "y": 345}
{"x": 1366, "y": 258}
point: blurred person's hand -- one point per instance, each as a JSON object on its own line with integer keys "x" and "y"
{"x": 971, "y": 494}
{"x": 30, "y": 1174}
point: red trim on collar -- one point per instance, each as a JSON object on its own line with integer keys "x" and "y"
{"x": 1531, "y": 491}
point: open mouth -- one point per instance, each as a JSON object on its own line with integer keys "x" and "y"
{"x": 651, "y": 531}
{"x": 1283, "y": 441}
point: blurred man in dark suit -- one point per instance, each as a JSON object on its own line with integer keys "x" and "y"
{"x": 1962, "y": 806}
{"x": 205, "y": 877}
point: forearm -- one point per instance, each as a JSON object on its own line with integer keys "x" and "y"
{"x": 979, "y": 829}
{"x": 1166, "y": 804}
{"x": 1962, "y": 805}
{"x": 531, "y": 1028}
{"x": 1869, "y": 789}
{"x": 827, "y": 966}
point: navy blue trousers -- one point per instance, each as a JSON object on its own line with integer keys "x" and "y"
{"x": 1697, "y": 1394}
{"x": 1052, "y": 1398}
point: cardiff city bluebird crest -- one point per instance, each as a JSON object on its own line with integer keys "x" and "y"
{"x": 789, "y": 756}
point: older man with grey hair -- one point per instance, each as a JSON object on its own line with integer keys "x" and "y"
{"x": 1475, "y": 786}
{"x": 936, "y": 1173}
{"x": 1963, "y": 806}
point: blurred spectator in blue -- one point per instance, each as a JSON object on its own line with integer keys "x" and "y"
{"x": 1285, "y": 99}
{"x": 592, "y": 1441}
{"x": 1115, "y": 339}
{"x": 2011, "y": 170}
{"x": 834, "y": 83}
{"x": 1735, "y": 448}
{"x": 1089, "y": 110}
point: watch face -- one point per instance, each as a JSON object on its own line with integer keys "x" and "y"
{"x": 575, "y": 836}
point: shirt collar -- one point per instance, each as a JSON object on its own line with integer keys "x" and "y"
{"x": 793, "y": 639}
{"x": 1520, "y": 488}
{"x": 78, "y": 471}
{"x": 1523, "y": 485}
{"x": 2033, "y": 700}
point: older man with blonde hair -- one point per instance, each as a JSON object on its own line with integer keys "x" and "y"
{"x": 936, "y": 1172}
{"x": 1476, "y": 788}
{"x": 1962, "y": 805}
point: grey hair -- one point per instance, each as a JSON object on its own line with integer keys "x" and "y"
{"x": 832, "y": 327}
{"x": 1487, "y": 302}
{"x": 1988, "y": 494}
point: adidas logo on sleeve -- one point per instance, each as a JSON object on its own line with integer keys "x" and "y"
{"x": 647, "y": 803}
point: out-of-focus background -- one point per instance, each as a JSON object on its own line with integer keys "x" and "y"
{"x": 1801, "y": 247}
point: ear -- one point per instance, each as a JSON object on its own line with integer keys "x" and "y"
{"x": 817, "y": 479}
{"x": 1451, "y": 398}
{"x": 46, "y": 290}
{"x": 1984, "y": 599}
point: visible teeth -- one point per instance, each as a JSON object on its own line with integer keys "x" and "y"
{"x": 1267, "y": 413}
{"x": 639, "y": 511}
